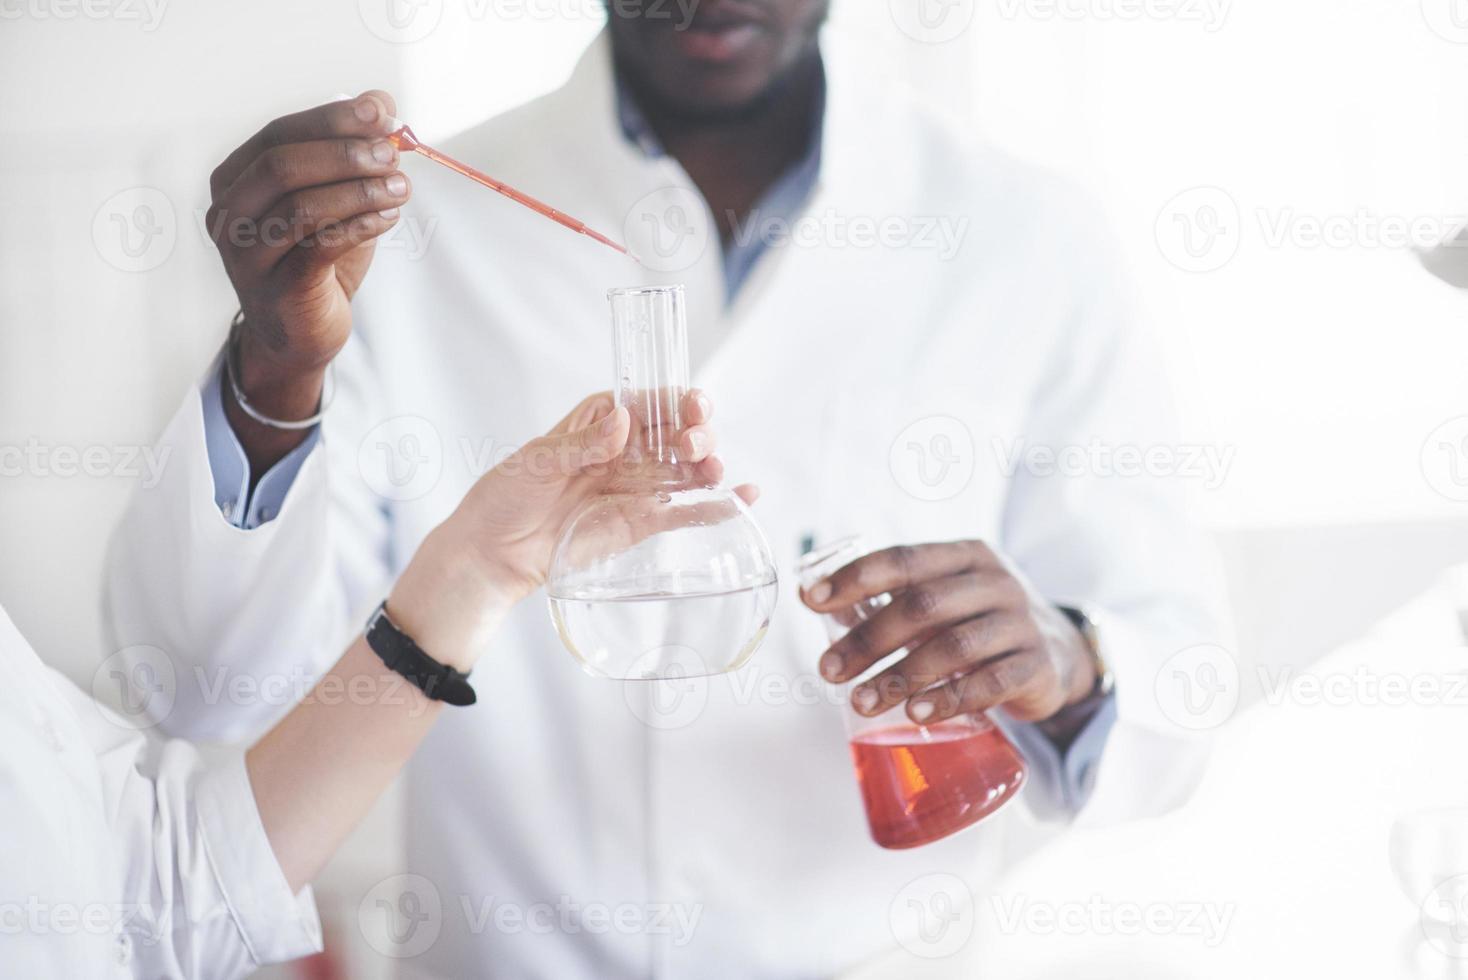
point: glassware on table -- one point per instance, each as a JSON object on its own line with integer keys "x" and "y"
{"x": 919, "y": 783}
{"x": 661, "y": 576}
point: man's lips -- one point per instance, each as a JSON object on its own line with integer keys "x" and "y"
{"x": 722, "y": 30}
{"x": 718, "y": 42}
{"x": 724, "y": 14}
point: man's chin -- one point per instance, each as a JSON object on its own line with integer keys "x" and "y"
{"x": 716, "y": 95}
{"x": 723, "y": 102}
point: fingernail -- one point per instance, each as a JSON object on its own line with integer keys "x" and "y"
{"x": 831, "y": 665}
{"x": 697, "y": 441}
{"x": 819, "y": 592}
{"x": 921, "y": 711}
{"x": 865, "y": 699}
{"x": 365, "y": 109}
{"x": 390, "y": 213}
{"x": 704, "y": 405}
{"x": 382, "y": 152}
{"x": 609, "y": 424}
{"x": 397, "y": 185}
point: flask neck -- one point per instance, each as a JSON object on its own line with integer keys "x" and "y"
{"x": 650, "y": 341}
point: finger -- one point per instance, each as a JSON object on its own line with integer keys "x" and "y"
{"x": 591, "y": 408}
{"x": 697, "y": 443}
{"x": 922, "y": 607}
{"x": 302, "y": 214}
{"x": 296, "y": 166}
{"x": 710, "y": 470}
{"x": 997, "y": 682}
{"x": 334, "y": 241}
{"x": 369, "y": 114}
{"x": 595, "y": 444}
{"x": 697, "y": 408}
{"x": 948, "y": 655}
{"x": 893, "y": 569}
{"x": 564, "y": 454}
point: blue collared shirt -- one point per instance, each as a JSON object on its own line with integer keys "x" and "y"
{"x": 783, "y": 202}
{"x": 1060, "y": 780}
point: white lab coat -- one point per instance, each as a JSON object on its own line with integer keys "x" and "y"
{"x": 1449, "y": 260}
{"x": 732, "y": 800}
{"x": 122, "y": 856}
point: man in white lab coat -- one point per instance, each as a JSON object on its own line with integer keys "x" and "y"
{"x": 912, "y": 337}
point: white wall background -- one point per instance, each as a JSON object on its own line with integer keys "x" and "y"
{"x": 1322, "y": 368}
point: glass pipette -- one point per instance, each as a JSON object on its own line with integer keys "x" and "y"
{"x": 404, "y": 139}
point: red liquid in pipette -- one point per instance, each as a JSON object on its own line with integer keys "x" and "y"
{"x": 404, "y": 140}
{"x": 919, "y": 790}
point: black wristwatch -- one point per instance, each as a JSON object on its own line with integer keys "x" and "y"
{"x": 1086, "y": 626}
{"x": 398, "y": 651}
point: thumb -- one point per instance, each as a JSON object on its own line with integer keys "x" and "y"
{"x": 600, "y": 442}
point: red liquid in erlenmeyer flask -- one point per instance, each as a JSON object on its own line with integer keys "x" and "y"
{"x": 918, "y": 790}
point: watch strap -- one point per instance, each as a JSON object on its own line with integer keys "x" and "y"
{"x": 397, "y": 650}
{"x": 1086, "y": 626}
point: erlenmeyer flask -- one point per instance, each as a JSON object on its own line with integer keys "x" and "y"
{"x": 661, "y": 576}
{"x": 919, "y": 783}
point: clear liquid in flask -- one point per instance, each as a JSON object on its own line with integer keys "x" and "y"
{"x": 660, "y": 636}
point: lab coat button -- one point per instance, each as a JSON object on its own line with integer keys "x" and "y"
{"x": 123, "y": 949}
{"x": 267, "y": 514}
{"x": 227, "y": 509}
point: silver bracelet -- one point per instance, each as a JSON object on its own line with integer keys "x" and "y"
{"x": 328, "y": 390}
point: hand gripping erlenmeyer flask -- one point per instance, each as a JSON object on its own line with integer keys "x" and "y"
{"x": 919, "y": 783}
{"x": 661, "y": 575}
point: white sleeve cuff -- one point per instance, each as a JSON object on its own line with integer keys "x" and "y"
{"x": 274, "y": 925}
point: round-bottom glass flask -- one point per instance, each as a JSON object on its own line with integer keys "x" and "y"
{"x": 660, "y": 576}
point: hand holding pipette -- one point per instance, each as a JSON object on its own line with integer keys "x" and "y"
{"x": 295, "y": 212}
